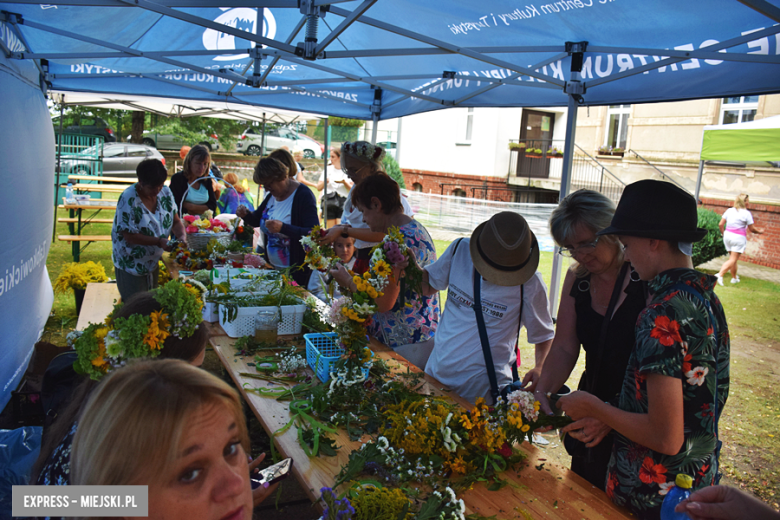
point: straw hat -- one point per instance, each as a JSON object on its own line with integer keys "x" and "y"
{"x": 656, "y": 209}
{"x": 504, "y": 249}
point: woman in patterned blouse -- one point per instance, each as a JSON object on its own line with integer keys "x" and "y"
{"x": 405, "y": 321}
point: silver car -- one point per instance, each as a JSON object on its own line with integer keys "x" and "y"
{"x": 172, "y": 142}
{"x": 117, "y": 159}
{"x": 250, "y": 142}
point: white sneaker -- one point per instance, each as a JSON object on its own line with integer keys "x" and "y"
{"x": 734, "y": 280}
{"x": 720, "y": 279}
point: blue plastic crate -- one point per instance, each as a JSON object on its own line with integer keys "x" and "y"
{"x": 322, "y": 352}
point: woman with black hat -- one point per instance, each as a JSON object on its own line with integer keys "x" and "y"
{"x": 677, "y": 379}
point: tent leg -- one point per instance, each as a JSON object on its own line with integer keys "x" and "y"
{"x": 325, "y": 173}
{"x": 374, "y": 127}
{"x": 568, "y": 156}
{"x": 698, "y": 181}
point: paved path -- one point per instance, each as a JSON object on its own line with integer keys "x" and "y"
{"x": 744, "y": 270}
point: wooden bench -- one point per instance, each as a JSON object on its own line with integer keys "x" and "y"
{"x": 123, "y": 180}
{"x": 99, "y": 300}
{"x": 73, "y": 220}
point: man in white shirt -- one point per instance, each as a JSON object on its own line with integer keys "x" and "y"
{"x": 504, "y": 254}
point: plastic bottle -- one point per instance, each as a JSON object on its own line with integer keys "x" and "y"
{"x": 69, "y": 193}
{"x": 679, "y": 492}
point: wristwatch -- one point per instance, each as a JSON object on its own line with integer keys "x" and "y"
{"x": 344, "y": 232}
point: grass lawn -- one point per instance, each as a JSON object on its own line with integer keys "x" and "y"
{"x": 749, "y": 427}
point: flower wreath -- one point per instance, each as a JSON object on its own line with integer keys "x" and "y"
{"x": 363, "y": 149}
{"x": 106, "y": 346}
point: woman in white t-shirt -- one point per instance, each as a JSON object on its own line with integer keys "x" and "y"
{"x": 734, "y": 225}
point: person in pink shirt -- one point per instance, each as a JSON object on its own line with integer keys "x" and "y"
{"x": 734, "y": 225}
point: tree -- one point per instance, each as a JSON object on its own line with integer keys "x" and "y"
{"x": 138, "y": 126}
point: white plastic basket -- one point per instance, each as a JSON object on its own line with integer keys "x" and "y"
{"x": 243, "y": 325}
{"x": 199, "y": 241}
{"x": 210, "y": 312}
{"x": 292, "y": 319}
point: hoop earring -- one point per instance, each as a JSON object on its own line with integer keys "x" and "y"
{"x": 632, "y": 278}
{"x": 585, "y": 287}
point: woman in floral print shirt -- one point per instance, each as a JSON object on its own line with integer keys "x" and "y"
{"x": 403, "y": 321}
{"x": 677, "y": 380}
{"x": 145, "y": 217}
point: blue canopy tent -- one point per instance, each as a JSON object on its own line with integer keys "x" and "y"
{"x": 381, "y": 59}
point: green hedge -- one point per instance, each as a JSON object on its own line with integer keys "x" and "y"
{"x": 711, "y": 246}
{"x": 393, "y": 170}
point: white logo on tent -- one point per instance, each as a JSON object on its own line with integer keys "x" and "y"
{"x": 242, "y": 18}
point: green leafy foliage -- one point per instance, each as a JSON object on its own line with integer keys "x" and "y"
{"x": 343, "y": 121}
{"x": 393, "y": 170}
{"x": 711, "y": 246}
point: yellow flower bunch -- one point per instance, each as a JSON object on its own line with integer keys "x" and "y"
{"x": 352, "y": 315}
{"x": 100, "y": 361}
{"x": 416, "y": 427}
{"x": 77, "y": 275}
{"x": 383, "y": 269}
{"x": 158, "y": 330}
{"x": 379, "y": 503}
{"x": 483, "y": 433}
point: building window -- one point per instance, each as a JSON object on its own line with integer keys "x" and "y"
{"x": 417, "y": 186}
{"x": 617, "y": 131}
{"x": 740, "y": 109}
{"x": 457, "y": 192}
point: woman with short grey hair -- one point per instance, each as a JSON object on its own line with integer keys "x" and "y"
{"x": 599, "y": 305}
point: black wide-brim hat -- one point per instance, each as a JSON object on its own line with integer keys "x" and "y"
{"x": 656, "y": 209}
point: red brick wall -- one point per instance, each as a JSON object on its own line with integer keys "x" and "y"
{"x": 762, "y": 249}
{"x": 431, "y": 182}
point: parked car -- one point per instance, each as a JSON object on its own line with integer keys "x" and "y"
{"x": 250, "y": 142}
{"x": 303, "y": 144}
{"x": 84, "y": 124}
{"x": 171, "y": 142}
{"x": 119, "y": 159}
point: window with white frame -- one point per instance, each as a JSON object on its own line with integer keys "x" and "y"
{"x": 617, "y": 131}
{"x": 739, "y": 109}
{"x": 466, "y": 127}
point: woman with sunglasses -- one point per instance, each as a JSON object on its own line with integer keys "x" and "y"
{"x": 359, "y": 160}
{"x": 599, "y": 306}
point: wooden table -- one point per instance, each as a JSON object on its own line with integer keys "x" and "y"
{"x": 99, "y": 300}
{"x": 97, "y": 188}
{"x": 77, "y": 222}
{"x": 552, "y": 491}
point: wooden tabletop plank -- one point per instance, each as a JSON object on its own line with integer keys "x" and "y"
{"x": 550, "y": 492}
{"x": 99, "y": 300}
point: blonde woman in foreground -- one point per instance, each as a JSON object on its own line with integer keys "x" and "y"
{"x": 175, "y": 428}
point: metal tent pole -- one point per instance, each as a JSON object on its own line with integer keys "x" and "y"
{"x": 59, "y": 165}
{"x": 575, "y": 89}
{"x": 698, "y": 181}
{"x": 325, "y": 168}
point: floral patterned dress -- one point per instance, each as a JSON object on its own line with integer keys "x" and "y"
{"x": 417, "y": 318}
{"x": 134, "y": 217}
{"x": 675, "y": 338}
